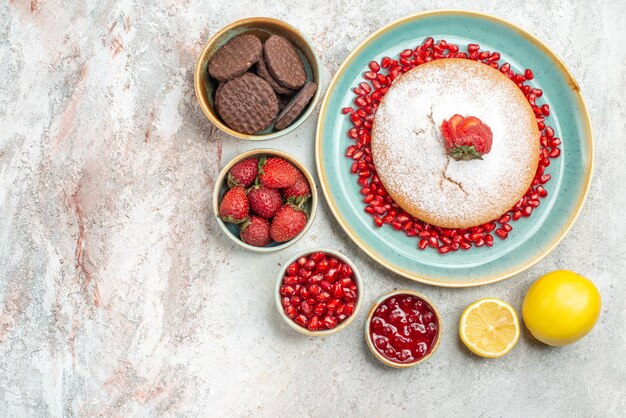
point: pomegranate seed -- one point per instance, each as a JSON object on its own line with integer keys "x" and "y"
{"x": 428, "y": 42}
{"x": 290, "y": 280}
{"x": 476, "y": 237}
{"x": 527, "y": 211}
{"x": 330, "y": 322}
{"x": 317, "y": 256}
{"x": 332, "y": 305}
{"x": 309, "y": 265}
{"x": 528, "y": 74}
{"x": 473, "y": 47}
{"x": 349, "y": 308}
{"x": 507, "y": 227}
{"x": 545, "y": 178}
{"x": 290, "y": 312}
{"x": 319, "y": 309}
{"x": 302, "y": 320}
{"x": 443, "y": 249}
{"x": 423, "y": 244}
{"x": 314, "y": 324}
{"x": 517, "y": 214}
{"x": 323, "y": 297}
{"x": 374, "y": 66}
{"x": 501, "y": 233}
{"x": 292, "y": 270}
{"x": 315, "y": 289}
{"x": 370, "y": 75}
{"x": 545, "y": 110}
{"x": 305, "y": 308}
{"x": 489, "y": 240}
{"x": 542, "y": 192}
{"x": 347, "y": 110}
{"x": 349, "y": 294}
{"x": 494, "y": 57}
{"x": 554, "y": 153}
{"x": 287, "y": 290}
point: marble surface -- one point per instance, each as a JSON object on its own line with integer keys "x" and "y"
{"x": 119, "y": 295}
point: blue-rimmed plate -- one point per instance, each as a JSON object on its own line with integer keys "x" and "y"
{"x": 532, "y": 238}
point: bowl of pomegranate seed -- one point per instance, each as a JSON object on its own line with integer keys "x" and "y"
{"x": 258, "y": 78}
{"x": 264, "y": 200}
{"x": 403, "y": 329}
{"x": 318, "y": 292}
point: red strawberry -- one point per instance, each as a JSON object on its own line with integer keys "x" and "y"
{"x": 243, "y": 173}
{"x": 288, "y": 222}
{"x": 256, "y": 231}
{"x": 234, "y": 207}
{"x": 264, "y": 201}
{"x": 277, "y": 173}
{"x": 466, "y": 138}
{"x": 299, "y": 192}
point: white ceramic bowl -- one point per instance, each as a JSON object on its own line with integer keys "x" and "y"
{"x": 263, "y": 28}
{"x": 322, "y": 333}
{"x": 368, "y": 337}
{"x": 232, "y": 231}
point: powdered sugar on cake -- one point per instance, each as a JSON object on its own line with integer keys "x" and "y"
{"x": 410, "y": 157}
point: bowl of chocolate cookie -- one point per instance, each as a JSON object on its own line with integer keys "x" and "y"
{"x": 258, "y": 78}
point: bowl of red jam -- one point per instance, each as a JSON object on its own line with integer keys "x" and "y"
{"x": 403, "y": 329}
{"x": 318, "y": 292}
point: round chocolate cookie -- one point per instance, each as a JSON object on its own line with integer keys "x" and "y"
{"x": 235, "y": 57}
{"x": 265, "y": 75}
{"x": 284, "y": 62}
{"x": 247, "y": 103}
{"x": 295, "y": 106}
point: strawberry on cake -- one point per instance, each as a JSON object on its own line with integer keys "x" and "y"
{"x": 455, "y": 143}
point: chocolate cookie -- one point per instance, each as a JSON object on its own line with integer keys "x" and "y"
{"x": 284, "y": 62}
{"x": 264, "y": 73}
{"x": 236, "y": 57}
{"x": 247, "y": 103}
{"x": 295, "y": 106}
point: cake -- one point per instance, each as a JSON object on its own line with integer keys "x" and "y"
{"x": 455, "y": 143}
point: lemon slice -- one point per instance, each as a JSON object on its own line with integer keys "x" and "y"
{"x": 489, "y": 327}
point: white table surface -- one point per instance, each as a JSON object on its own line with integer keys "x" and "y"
{"x": 119, "y": 295}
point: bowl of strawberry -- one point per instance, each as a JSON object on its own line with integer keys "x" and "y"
{"x": 318, "y": 292}
{"x": 265, "y": 200}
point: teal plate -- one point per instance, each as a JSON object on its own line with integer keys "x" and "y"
{"x": 532, "y": 238}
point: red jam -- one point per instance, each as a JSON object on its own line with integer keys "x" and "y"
{"x": 404, "y": 328}
{"x": 318, "y": 291}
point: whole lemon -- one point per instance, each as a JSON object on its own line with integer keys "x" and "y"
{"x": 561, "y": 307}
